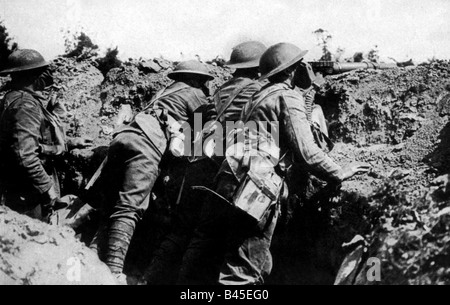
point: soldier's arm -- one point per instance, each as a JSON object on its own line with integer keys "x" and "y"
{"x": 301, "y": 139}
{"x": 25, "y": 122}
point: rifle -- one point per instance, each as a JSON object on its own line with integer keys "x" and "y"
{"x": 332, "y": 68}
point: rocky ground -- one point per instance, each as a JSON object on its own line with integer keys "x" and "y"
{"x": 388, "y": 119}
{"x": 34, "y": 253}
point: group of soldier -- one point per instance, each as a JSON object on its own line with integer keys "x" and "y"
{"x": 227, "y": 205}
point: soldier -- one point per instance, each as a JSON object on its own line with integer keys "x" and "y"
{"x": 31, "y": 136}
{"x": 227, "y": 105}
{"x": 135, "y": 153}
{"x": 241, "y": 217}
{"x": 235, "y": 94}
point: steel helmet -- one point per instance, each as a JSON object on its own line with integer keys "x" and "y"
{"x": 23, "y": 60}
{"x": 246, "y": 55}
{"x": 190, "y": 67}
{"x": 278, "y": 58}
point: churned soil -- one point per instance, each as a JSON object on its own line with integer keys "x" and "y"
{"x": 388, "y": 119}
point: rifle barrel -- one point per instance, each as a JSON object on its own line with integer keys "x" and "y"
{"x": 350, "y": 66}
{"x": 331, "y": 67}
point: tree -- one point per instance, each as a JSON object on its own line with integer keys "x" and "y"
{"x": 110, "y": 61}
{"x": 6, "y": 45}
{"x": 79, "y": 46}
{"x": 373, "y": 54}
{"x": 323, "y": 39}
{"x": 339, "y": 53}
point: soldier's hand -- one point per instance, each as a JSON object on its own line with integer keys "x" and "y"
{"x": 80, "y": 143}
{"x": 355, "y": 169}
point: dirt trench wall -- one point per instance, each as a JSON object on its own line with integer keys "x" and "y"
{"x": 390, "y": 120}
{"x": 34, "y": 253}
{"x": 383, "y": 106}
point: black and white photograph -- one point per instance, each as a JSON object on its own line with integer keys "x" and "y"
{"x": 208, "y": 145}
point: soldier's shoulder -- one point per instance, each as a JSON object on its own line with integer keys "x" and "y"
{"x": 182, "y": 91}
{"x": 230, "y": 82}
{"x": 273, "y": 90}
{"x": 21, "y": 99}
{"x": 256, "y": 85}
{"x": 292, "y": 94}
{"x": 236, "y": 82}
{"x": 293, "y": 99}
{"x": 198, "y": 92}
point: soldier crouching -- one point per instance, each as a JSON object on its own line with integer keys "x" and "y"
{"x": 135, "y": 154}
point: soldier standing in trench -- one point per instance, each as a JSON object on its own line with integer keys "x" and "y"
{"x": 226, "y": 106}
{"x": 31, "y": 137}
{"x": 234, "y": 228}
{"x": 135, "y": 154}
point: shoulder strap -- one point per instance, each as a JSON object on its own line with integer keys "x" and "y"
{"x": 247, "y": 82}
{"x": 258, "y": 102}
{"x": 163, "y": 93}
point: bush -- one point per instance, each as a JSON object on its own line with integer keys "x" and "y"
{"x": 373, "y": 55}
{"x": 110, "y": 61}
{"x": 6, "y": 45}
{"x": 323, "y": 40}
{"x": 80, "y": 46}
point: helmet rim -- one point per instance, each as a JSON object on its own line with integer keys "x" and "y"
{"x": 190, "y": 67}
{"x": 278, "y": 58}
{"x": 24, "y": 60}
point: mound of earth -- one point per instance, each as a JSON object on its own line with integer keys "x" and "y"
{"x": 383, "y": 106}
{"x": 389, "y": 120}
{"x": 34, "y": 253}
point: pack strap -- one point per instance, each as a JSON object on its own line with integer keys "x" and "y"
{"x": 247, "y": 82}
{"x": 208, "y": 190}
{"x": 225, "y": 106}
{"x": 259, "y": 101}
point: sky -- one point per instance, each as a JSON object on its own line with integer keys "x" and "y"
{"x": 180, "y": 29}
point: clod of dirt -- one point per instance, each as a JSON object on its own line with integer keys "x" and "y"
{"x": 34, "y": 253}
{"x": 149, "y": 66}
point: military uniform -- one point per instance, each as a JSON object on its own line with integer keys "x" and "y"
{"x": 246, "y": 89}
{"x": 228, "y": 102}
{"x": 224, "y": 229}
{"x": 278, "y": 103}
{"x": 133, "y": 165}
{"x": 27, "y": 173}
